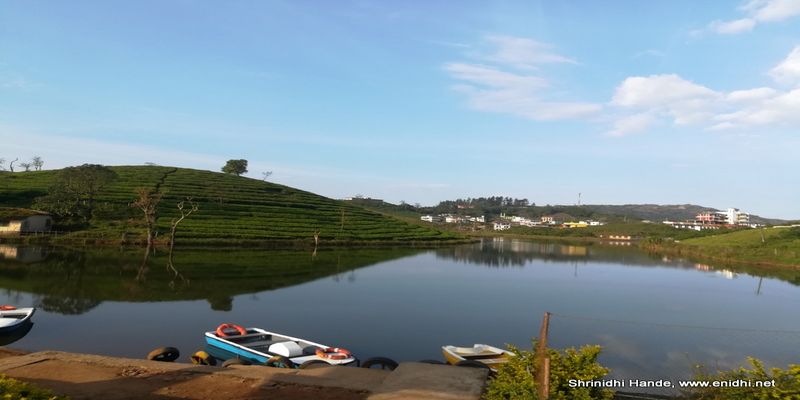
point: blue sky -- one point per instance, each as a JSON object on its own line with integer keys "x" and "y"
{"x": 625, "y": 101}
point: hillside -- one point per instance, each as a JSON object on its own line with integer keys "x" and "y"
{"x": 232, "y": 209}
{"x": 773, "y": 245}
{"x": 657, "y": 212}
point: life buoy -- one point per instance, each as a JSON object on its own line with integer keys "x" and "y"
{"x": 221, "y": 330}
{"x": 334, "y": 353}
{"x": 7, "y": 308}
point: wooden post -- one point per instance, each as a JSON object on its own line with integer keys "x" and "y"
{"x": 543, "y": 370}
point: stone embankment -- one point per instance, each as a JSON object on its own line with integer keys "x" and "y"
{"x": 83, "y": 376}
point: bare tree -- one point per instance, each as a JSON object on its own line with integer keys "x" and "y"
{"x": 316, "y": 243}
{"x": 148, "y": 202}
{"x": 2, "y": 163}
{"x": 185, "y": 212}
{"x": 265, "y": 175}
{"x": 11, "y": 165}
{"x": 37, "y": 163}
{"x": 26, "y": 165}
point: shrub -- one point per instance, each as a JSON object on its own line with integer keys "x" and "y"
{"x": 787, "y": 383}
{"x": 515, "y": 379}
{"x": 12, "y": 389}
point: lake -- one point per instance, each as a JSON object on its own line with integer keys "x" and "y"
{"x": 655, "y": 316}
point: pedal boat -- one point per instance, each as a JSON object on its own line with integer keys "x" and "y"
{"x": 491, "y": 356}
{"x": 12, "y": 318}
{"x": 258, "y": 346}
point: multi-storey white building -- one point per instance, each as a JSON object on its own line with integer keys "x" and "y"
{"x": 733, "y": 216}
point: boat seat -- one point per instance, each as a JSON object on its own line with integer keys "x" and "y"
{"x": 260, "y": 345}
{"x": 286, "y": 349}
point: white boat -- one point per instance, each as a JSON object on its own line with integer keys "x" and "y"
{"x": 260, "y": 346}
{"x": 491, "y": 356}
{"x": 12, "y": 318}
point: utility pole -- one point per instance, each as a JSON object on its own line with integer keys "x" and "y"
{"x": 579, "y": 199}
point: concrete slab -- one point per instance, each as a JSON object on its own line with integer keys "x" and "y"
{"x": 429, "y": 381}
{"x": 85, "y": 376}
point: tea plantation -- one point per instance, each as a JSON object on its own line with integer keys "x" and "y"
{"x": 232, "y": 210}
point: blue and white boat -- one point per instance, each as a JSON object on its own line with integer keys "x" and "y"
{"x": 12, "y": 318}
{"x": 259, "y": 346}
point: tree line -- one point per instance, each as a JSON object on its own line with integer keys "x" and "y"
{"x": 36, "y": 163}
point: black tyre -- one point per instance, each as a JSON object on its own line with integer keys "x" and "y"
{"x": 380, "y": 363}
{"x": 471, "y": 364}
{"x": 437, "y": 362}
{"x": 165, "y": 354}
{"x": 203, "y": 358}
{"x": 280, "y": 362}
{"x": 311, "y": 364}
{"x": 234, "y": 361}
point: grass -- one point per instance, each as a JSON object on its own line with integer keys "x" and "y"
{"x": 233, "y": 210}
{"x": 779, "y": 246}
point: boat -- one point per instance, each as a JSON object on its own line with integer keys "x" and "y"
{"x": 491, "y": 356}
{"x": 12, "y": 317}
{"x": 260, "y": 346}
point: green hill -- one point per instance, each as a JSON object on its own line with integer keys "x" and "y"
{"x": 772, "y": 245}
{"x": 232, "y": 210}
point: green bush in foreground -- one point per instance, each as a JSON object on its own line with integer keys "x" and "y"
{"x": 515, "y": 379}
{"x": 12, "y": 389}
{"x": 787, "y": 383}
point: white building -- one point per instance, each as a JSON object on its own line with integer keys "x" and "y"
{"x": 501, "y": 226}
{"x": 29, "y": 224}
{"x": 733, "y": 216}
{"x": 431, "y": 218}
{"x": 478, "y": 219}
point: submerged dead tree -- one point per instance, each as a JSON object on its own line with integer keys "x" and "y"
{"x": 148, "y": 203}
{"x": 185, "y": 212}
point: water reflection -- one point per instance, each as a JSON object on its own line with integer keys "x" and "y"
{"x": 502, "y": 253}
{"x": 73, "y": 282}
{"x": 22, "y": 254}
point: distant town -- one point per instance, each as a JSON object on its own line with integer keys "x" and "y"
{"x": 731, "y": 218}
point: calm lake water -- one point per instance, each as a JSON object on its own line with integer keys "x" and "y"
{"x": 655, "y": 317}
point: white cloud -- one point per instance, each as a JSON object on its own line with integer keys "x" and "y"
{"x": 658, "y": 90}
{"x": 488, "y": 76}
{"x": 788, "y": 71}
{"x": 750, "y": 95}
{"x": 758, "y": 11}
{"x": 632, "y": 124}
{"x": 643, "y": 101}
{"x": 494, "y": 88}
{"x": 522, "y": 53}
{"x": 732, "y": 27}
{"x": 772, "y": 10}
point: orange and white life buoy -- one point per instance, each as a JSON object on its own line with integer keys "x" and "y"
{"x": 224, "y": 330}
{"x": 334, "y": 353}
{"x": 7, "y": 308}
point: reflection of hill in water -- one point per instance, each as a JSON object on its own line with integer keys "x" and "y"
{"x": 500, "y": 253}
{"x": 73, "y": 282}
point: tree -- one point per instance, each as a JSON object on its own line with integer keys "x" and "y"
{"x": 185, "y": 212}
{"x": 147, "y": 202}
{"x": 11, "y": 164}
{"x": 26, "y": 165}
{"x": 75, "y": 189}
{"x": 37, "y": 163}
{"x": 235, "y": 167}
